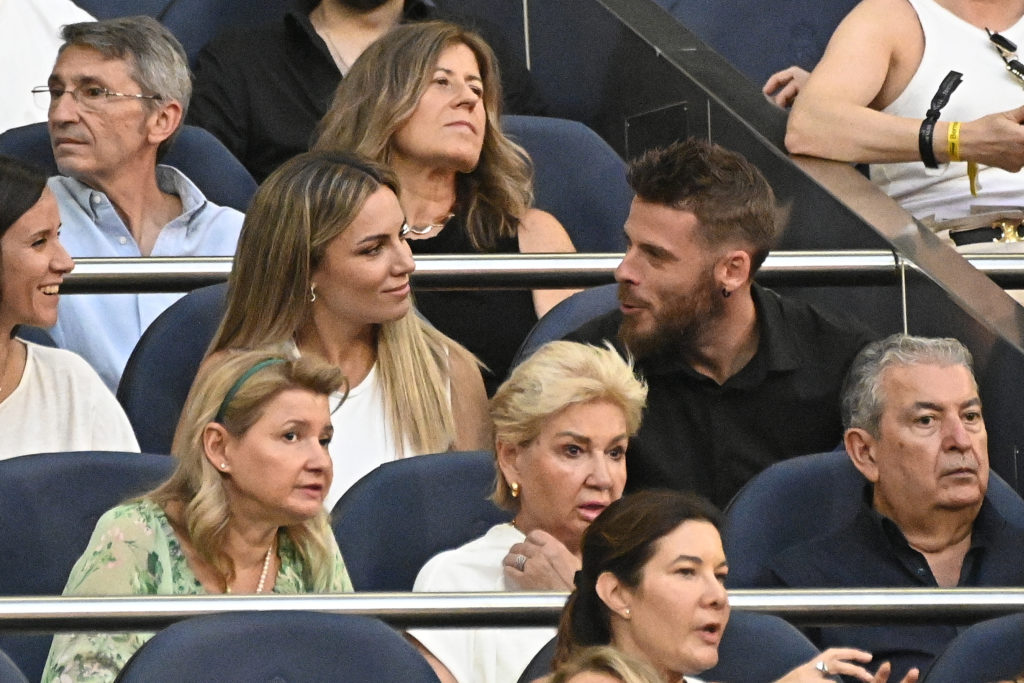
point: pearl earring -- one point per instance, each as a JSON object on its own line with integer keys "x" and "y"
{"x": 223, "y": 465}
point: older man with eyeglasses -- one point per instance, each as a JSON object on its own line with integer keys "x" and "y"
{"x": 116, "y": 98}
{"x": 877, "y": 97}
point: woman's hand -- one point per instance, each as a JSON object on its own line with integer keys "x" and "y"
{"x": 843, "y": 661}
{"x": 549, "y": 566}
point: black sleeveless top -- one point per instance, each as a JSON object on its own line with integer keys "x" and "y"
{"x": 491, "y": 323}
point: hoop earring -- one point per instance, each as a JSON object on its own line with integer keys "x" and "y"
{"x": 312, "y": 292}
{"x": 514, "y": 487}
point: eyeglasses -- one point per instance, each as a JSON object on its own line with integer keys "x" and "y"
{"x": 1007, "y": 49}
{"x": 88, "y": 97}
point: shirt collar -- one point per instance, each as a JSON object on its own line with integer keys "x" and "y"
{"x": 986, "y": 527}
{"x": 168, "y": 179}
{"x": 776, "y": 347}
{"x": 777, "y": 340}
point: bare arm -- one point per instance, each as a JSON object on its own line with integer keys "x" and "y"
{"x": 541, "y": 233}
{"x": 869, "y": 61}
{"x": 469, "y": 404}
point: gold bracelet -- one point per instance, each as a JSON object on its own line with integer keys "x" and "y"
{"x": 953, "y": 140}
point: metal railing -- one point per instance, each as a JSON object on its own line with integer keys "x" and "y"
{"x": 494, "y": 271}
{"x": 406, "y": 610}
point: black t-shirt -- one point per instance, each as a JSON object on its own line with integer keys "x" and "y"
{"x": 711, "y": 439}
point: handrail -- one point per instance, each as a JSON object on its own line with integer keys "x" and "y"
{"x": 405, "y": 610}
{"x": 517, "y": 271}
{"x": 490, "y": 271}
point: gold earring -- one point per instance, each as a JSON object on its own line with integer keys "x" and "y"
{"x": 626, "y": 613}
{"x": 514, "y": 486}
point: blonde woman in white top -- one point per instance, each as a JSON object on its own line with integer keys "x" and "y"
{"x": 322, "y": 264}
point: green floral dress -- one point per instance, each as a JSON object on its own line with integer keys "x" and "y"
{"x": 133, "y": 551}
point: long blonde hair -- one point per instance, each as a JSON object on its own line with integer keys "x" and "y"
{"x": 199, "y": 487}
{"x": 295, "y": 214}
{"x": 381, "y": 92}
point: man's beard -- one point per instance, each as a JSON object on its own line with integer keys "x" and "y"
{"x": 681, "y": 325}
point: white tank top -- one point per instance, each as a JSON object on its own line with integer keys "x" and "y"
{"x": 363, "y": 438}
{"x": 952, "y": 44}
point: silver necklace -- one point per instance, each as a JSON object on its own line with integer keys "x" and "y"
{"x": 426, "y": 229}
{"x": 324, "y": 31}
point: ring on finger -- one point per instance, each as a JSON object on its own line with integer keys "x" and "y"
{"x": 519, "y": 562}
{"x": 822, "y": 667}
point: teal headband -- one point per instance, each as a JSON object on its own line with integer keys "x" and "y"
{"x": 238, "y": 385}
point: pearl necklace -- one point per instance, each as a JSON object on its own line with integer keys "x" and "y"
{"x": 263, "y": 574}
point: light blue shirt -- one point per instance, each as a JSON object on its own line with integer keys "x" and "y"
{"x": 103, "y": 328}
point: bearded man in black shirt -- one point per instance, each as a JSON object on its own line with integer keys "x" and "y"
{"x": 739, "y": 376}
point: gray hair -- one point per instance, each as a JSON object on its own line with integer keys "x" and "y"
{"x": 156, "y": 60}
{"x": 862, "y": 398}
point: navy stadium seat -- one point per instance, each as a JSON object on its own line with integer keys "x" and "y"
{"x": 277, "y": 646}
{"x": 196, "y": 153}
{"x": 404, "y": 512}
{"x": 49, "y": 504}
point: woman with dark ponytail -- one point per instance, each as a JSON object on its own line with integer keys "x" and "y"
{"x": 652, "y": 584}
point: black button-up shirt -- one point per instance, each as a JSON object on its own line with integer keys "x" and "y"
{"x": 698, "y": 435}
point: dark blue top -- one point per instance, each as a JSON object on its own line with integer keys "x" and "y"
{"x": 872, "y": 552}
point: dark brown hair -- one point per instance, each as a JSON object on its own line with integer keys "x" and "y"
{"x": 621, "y": 541}
{"x": 729, "y": 196}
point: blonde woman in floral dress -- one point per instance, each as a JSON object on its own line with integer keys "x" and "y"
{"x": 242, "y": 513}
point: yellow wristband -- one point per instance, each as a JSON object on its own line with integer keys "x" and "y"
{"x": 953, "y": 140}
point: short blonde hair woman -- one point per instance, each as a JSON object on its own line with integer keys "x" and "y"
{"x": 242, "y": 513}
{"x": 563, "y": 419}
{"x": 323, "y": 267}
{"x": 425, "y": 99}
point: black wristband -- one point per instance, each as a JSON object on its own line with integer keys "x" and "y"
{"x": 924, "y": 143}
{"x": 925, "y": 135}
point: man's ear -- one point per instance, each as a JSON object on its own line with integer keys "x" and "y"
{"x": 862, "y": 449}
{"x": 613, "y": 593}
{"x": 732, "y": 269}
{"x": 164, "y": 121}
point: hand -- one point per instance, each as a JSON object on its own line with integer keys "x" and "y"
{"x": 782, "y": 87}
{"x": 842, "y": 661}
{"x": 549, "y": 565}
{"x": 995, "y": 140}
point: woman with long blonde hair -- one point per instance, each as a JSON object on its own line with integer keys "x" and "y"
{"x": 425, "y": 99}
{"x": 323, "y": 267}
{"x": 242, "y": 513}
